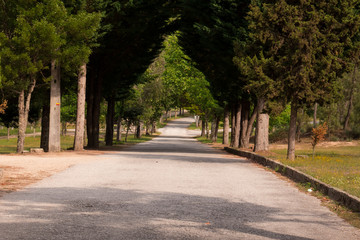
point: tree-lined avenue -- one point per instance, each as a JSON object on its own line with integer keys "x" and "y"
{"x": 169, "y": 188}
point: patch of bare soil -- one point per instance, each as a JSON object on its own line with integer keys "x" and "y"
{"x": 19, "y": 171}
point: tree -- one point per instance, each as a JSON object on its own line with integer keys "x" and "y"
{"x": 318, "y": 134}
{"x": 27, "y": 45}
{"x": 304, "y": 43}
{"x": 133, "y": 36}
{"x": 209, "y": 30}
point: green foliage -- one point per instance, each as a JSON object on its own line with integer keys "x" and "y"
{"x": 68, "y": 107}
{"x": 184, "y": 83}
{"x": 209, "y": 29}
{"x": 280, "y": 120}
{"x": 300, "y": 45}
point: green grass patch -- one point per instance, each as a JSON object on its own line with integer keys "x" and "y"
{"x": 9, "y": 146}
{"x": 132, "y": 140}
{"x": 338, "y": 166}
{"x": 206, "y": 140}
{"x": 14, "y": 131}
{"x": 193, "y": 126}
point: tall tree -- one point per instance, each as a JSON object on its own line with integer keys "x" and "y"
{"x": 132, "y": 41}
{"x": 304, "y": 41}
{"x": 27, "y": 45}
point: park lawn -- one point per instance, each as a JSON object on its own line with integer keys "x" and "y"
{"x": 14, "y": 131}
{"x": 336, "y": 166}
{"x": 9, "y": 146}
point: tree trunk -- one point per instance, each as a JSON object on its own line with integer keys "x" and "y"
{"x": 8, "y": 133}
{"x": 262, "y": 128}
{"x": 44, "y": 142}
{"x": 207, "y": 128}
{"x": 94, "y": 87}
{"x": 299, "y": 125}
{"x": 175, "y": 114}
{"x": 166, "y": 115}
{"x": 153, "y": 127}
{"x": 55, "y": 99}
{"x": 237, "y": 126}
{"x": 127, "y": 132}
{"x": 292, "y": 132}
{"x": 138, "y": 131}
{"x": 22, "y": 122}
{"x": 80, "y": 113}
{"x": 213, "y": 130}
{"x": 118, "y": 129}
{"x": 217, "y": 123}
{"x": 315, "y": 114}
{"x": 109, "y": 136}
{"x": 64, "y": 129}
{"x": 226, "y": 125}
{"x": 247, "y": 124}
{"x": 147, "y": 129}
{"x": 24, "y": 107}
{"x": 351, "y": 101}
{"x": 203, "y": 126}
{"x": 233, "y": 123}
{"x": 197, "y": 119}
{"x": 263, "y": 133}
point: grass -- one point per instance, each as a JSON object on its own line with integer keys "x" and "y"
{"x": 131, "y": 140}
{"x": 9, "y": 146}
{"x": 338, "y": 166}
{"x": 14, "y": 131}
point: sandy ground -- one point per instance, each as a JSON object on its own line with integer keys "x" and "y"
{"x": 169, "y": 188}
{"x": 19, "y": 171}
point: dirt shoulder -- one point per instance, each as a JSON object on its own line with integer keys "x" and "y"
{"x": 18, "y": 171}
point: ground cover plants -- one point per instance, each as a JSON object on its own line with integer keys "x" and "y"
{"x": 337, "y": 166}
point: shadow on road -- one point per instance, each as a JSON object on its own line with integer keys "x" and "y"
{"x": 110, "y": 213}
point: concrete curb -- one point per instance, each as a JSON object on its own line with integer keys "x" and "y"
{"x": 336, "y": 194}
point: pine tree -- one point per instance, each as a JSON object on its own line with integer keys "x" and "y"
{"x": 302, "y": 47}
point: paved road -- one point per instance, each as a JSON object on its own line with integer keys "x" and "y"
{"x": 169, "y": 188}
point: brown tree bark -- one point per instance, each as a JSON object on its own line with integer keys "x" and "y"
{"x": 237, "y": 126}
{"x": 203, "y": 127}
{"x": 138, "y": 130}
{"x": 262, "y": 128}
{"x": 109, "y": 135}
{"x": 247, "y": 122}
{"x": 299, "y": 125}
{"x": 118, "y": 129}
{"x": 213, "y": 130}
{"x": 153, "y": 127}
{"x": 351, "y": 100}
{"x": 55, "y": 100}
{"x": 233, "y": 123}
{"x": 226, "y": 125}
{"x": 80, "y": 113}
{"x": 292, "y": 132}
{"x": 44, "y": 142}
{"x": 315, "y": 114}
{"x": 23, "y": 108}
{"x": 207, "y": 128}
{"x": 93, "y": 96}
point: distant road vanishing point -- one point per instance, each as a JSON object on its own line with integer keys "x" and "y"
{"x": 169, "y": 188}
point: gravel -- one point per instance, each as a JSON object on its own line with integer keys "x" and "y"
{"x": 169, "y": 188}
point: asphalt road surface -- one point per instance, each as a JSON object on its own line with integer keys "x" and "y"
{"x": 168, "y": 188}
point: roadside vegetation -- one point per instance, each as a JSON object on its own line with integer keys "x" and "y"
{"x": 336, "y": 166}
